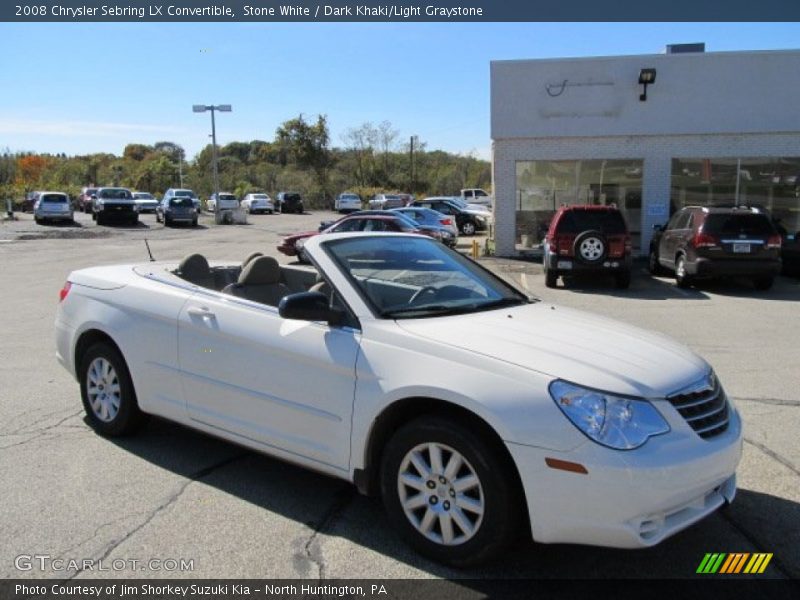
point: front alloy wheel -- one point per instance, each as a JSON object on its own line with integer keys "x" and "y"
{"x": 451, "y": 494}
{"x": 468, "y": 228}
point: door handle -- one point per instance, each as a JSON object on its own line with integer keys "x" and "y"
{"x": 200, "y": 311}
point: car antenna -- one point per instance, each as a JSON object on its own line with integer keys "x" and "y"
{"x": 148, "y": 250}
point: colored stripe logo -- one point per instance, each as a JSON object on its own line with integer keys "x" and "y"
{"x": 734, "y": 563}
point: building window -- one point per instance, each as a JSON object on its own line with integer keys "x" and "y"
{"x": 544, "y": 185}
{"x": 768, "y": 183}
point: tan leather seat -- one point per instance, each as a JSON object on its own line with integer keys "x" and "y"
{"x": 194, "y": 269}
{"x": 260, "y": 281}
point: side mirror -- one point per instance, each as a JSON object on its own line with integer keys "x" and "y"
{"x": 658, "y": 228}
{"x": 310, "y": 306}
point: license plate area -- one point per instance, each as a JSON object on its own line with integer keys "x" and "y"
{"x": 739, "y": 248}
{"x": 564, "y": 264}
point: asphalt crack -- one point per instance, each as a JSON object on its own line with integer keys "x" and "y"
{"x": 312, "y": 548}
{"x": 38, "y": 433}
{"x": 196, "y": 476}
{"x": 772, "y": 401}
{"x": 774, "y": 455}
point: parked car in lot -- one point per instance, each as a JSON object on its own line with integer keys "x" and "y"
{"x": 476, "y": 196}
{"x": 476, "y": 413}
{"x": 146, "y": 202}
{"x": 347, "y": 202}
{"x": 290, "y": 202}
{"x": 85, "y": 199}
{"x": 114, "y": 204}
{"x": 177, "y": 210}
{"x": 366, "y": 220}
{"x": 183, "y": 193}
{"x": 227, "y": 201}
{"x": 468, "y": 220}
{"x": 705, "y": 242}
{"x": 258, "y": 202}
{"x": 588, "y": 238}
{"x": 431, "y": 218}
{"x": 52, "y": 206}
{"x": 30, "y": 201}
{"x": 386, "y": 201}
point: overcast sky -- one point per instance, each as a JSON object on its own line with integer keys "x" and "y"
{"x": 82, "y": 88}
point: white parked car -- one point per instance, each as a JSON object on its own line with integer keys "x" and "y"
{"x": 347, "y": 202}
{"x": 226, "y": 202}
{"x": 411, "y": 371}
{"x": 145, "y": 201}
{"x": 53, "y": 206}
{"x": 258, "y": 203}
{"x": 476, "y": 196}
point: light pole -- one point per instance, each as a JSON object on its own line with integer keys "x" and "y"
{"x": 198, "y": 108}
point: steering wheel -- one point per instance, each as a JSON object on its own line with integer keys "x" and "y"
{"x": 423, "y": 290}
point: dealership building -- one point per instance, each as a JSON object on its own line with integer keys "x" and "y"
{"x": 649, "y": 133}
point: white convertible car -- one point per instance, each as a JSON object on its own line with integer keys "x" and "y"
{"x": 475, "y": 411}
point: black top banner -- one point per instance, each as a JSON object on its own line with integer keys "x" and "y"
{"x": 399, "y": 10}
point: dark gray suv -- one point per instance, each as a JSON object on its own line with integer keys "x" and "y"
{"x": 705, "y": 242}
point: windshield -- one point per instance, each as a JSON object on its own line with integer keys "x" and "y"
{"x": 115, "y": 194}
{"x": 609, "y": 222}
{"x": 58, "y": 198}
{"x": 410, "y": 277}
{"x": 143, "y": 196}
{"x": 184, "y": 193}
{"x": 732, "y": 224}
{"x": 227, "y": 197}
{"x": 260, "y": 197}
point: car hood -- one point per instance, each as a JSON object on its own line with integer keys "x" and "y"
{"x": 576, "y": 346}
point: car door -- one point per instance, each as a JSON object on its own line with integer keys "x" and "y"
{"x": 670, "y": 238}
{"x": 282, "y": 383}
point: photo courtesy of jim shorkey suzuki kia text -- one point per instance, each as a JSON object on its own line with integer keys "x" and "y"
{"x": 171, "y": 590}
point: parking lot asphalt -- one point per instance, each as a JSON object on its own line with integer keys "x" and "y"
{"x": 172, "y": 493}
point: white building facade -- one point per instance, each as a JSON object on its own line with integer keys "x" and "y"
{"x": 712, "y": 129}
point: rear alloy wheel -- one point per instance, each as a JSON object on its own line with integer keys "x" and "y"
{"x": 449, "y": 494}
{"x": 107, "y": 392}
{"x": 590, "y": 247}
{"x": 682, "y": 278}
{"x": 468, "y": 228}
{"x": 763, "y": 283}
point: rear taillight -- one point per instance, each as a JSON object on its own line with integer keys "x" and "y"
{"x": 774, "y": 241}
{"x": 445, "y": 222}
{"x": 704, "y": 240}
{"x": 64, "y": 291}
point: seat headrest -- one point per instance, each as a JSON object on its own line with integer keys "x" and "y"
{"x": 194, "y": 265}
{"x": 262, "y": 270}
{"x": 251, "y": 257}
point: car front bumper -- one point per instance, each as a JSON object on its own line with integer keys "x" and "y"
{"x": 706, "y": 267}
{"x": 629, "y": 499}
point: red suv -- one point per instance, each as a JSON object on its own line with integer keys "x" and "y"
{"x": 588, "y": 239}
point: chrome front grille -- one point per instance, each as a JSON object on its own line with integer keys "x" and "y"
{"x": 704, "y": 406}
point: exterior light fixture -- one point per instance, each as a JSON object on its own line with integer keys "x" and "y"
{"x": 646, "y": 77}
{"x": 200, "y": 108}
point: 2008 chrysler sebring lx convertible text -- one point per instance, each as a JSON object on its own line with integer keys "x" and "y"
{"x": 404, "y": 367}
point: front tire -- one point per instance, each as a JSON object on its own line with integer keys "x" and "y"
{"x": 449, "y": 494}
{"x": 107, "y": 392}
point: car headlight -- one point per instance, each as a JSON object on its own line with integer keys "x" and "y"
{"x": 613, "y": 421}
{"x": 480, "y": 219}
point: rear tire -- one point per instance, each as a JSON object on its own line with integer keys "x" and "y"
{"x": 468, "y": 228}
{"x": 107, "y": 392}
{"x": 682, "y": 278}
{"x": 550, "y": 278}
{"x": 449, "y": 493}
{"x": 763, "y": 283}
